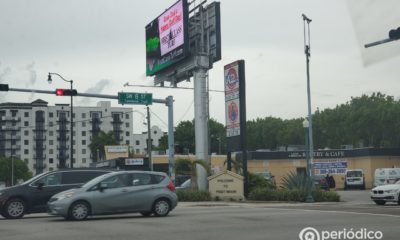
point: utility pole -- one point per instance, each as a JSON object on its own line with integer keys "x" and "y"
{"x": 149, "y": 142}
{"x": 307, "y": 51}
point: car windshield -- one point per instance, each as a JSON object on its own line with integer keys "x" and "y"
{"x": 354, "y": 174}
{"x": 398, "y": 182}
{"x": 34, "y": 178}
{"x": 95, "y": 180}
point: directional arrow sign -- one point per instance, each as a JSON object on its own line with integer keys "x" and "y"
{"x": 135, "y": 98}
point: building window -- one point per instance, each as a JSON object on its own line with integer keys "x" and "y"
{"x": 50, "y": 160}
{"x": 73, "y": 133}
{"x": 73, "y": 124}
{"x": 26, "y": 142}
{"x": 155, "y": 132}
{"x": 137, "y": 142}
{"x": 84, "y": 151}
{"x": 51, "y": 124}
{"x": 51, "y": 114}
{"x": 14, "y": 113}
{"x": 73, "y": 142}
{"x": 83, "y": 115}
{"x": 26, "y": 132}
{"x": 51, "y": 169}
{"x": 51, "y": 142}
{"x": 26, "y": 114}
{"x": 83, "y": 133}
{"x": 50, "y": 133}
{"x": 127, "y": 134}
{"x": 26, "y": 151}
{"x": 26, "y": 123}
{"x": 83, "y": 124}
{"x": 26, "y": 161}
{"x": 126, "y": 124}
{"x": 137, "y": 151}
{"x": 50, "y": 151}
{"x": 73, "y": 151}
{"x": 83, "y": 142}
{"x": 83, "y": 160}
{"x": 14, "y": 124}
{"x": 127, "y": 142}
{"x": 73, "y": 115}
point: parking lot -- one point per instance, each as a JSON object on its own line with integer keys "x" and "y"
{"x": 217, "y": 220}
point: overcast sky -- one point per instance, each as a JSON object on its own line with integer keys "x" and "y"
{"x": 100, "y": 44}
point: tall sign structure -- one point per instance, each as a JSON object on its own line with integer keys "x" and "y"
{"x": 181, "y": 44}
{"x": 235, "y": 113}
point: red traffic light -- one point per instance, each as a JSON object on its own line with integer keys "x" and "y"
{"x": 66, "y": 92}
{"x": 59, "y": 92}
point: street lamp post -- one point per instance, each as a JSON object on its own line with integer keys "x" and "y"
{"x": 310, "y": 169}
{"x": 71, "y": 112}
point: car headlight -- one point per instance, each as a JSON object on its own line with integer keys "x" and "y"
{"x": 65, "y": 195}
{"x": 391, "y": 191}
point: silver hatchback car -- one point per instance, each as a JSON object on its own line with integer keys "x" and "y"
{"x": 118, "y": 192}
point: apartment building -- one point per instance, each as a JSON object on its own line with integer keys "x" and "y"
{"x": 40, "y": 134}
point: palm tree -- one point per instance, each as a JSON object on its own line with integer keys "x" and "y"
{"x": 188, "y": 167}
{"x": 101, "y": 140}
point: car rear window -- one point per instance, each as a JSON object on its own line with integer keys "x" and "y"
{"x": 354, "y": 174}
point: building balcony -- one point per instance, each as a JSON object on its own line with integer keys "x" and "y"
{"x": 93, "y": 121}
{"x": 39, "y": 130}
{"x": 39, "y": 148}
{"x": 63, "y": 138}
{"x": 39, "y": 138}
{"x": 10, "y": 119}
{"x": 39, "y": 165}
{"x": 62, "y": 120}
{"x": 10, "y": 128}
{"x": 63, "y": 147}
{"x": 63, "y": 156}
{"x": 39, "y": 156}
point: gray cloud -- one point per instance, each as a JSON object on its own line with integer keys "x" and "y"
{"x": 6, "y": 71}
{"x": 97, "y": 88}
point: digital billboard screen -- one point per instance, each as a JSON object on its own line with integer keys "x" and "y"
{"x": 167, "y": 38}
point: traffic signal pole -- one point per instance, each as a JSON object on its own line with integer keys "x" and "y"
{"x": 169, "y": 102}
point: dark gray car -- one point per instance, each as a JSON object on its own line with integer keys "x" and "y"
{"x": 119, "y": 192}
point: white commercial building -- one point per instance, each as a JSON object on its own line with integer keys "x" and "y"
{"x": 140, "y": 140}
{"x": 40, "y": 134}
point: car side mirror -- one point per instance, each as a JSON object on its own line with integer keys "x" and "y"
{"x": 40, "y": 185}
{"x": 102, "y": 186}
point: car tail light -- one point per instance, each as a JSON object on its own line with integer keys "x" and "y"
{"x": 171, "y": 186}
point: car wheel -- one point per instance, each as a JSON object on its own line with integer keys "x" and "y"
{"x": 15, "y": 208}
{"x": 78, "y": 211}
{"x": 146, "y": 214}
{"x": 380, "y": 202}
{"x": 161, "y": 207}
{"x": 398, "y": 199}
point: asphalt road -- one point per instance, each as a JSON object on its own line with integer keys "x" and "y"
{"x": 216, "y": 220}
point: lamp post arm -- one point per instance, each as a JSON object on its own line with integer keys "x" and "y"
{"x": 65, "y": 80}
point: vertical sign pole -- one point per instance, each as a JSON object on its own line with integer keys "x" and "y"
{"x": 149, "y": 142}
{"x": 243, "y": 130}
{"x": 201, "y": 124}
{"x": 171, "y": 144}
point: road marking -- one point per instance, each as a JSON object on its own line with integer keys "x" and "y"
{"x": 335, "y": 211}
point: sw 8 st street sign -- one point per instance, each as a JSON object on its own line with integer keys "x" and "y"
{"x": 135, "y": 98}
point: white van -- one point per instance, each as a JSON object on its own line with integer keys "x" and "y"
{"x": 354, "y": 179}
{"x": 385, "y": 176}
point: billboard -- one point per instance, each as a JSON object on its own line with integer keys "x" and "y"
{"x": 167, "y": 38}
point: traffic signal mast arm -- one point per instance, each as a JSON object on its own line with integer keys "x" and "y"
{"x": 394, "y": 35}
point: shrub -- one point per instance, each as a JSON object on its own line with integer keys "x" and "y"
{"x": 191, "y": 195}
{"x": 296, "y": 181}
{"x": 294, "y": 195}
{"x": 256, "y": 181}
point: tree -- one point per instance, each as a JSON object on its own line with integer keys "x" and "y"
{"x": 21, "y": 170}
{"x": 101, "y": 140}
{"x": 185, "y": 166}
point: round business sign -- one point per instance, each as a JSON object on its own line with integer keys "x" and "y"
{"x": 233, "y": 112}
{"x": 231, "y": 79}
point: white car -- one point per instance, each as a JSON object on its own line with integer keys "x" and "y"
{"x": 386, "y": 193}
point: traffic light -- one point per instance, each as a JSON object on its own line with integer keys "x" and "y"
{"x": 66, "y": 92}
{"x": 394, "y": 34}
{"x": 4, "y": 87}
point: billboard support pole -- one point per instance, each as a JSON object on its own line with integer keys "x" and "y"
{"x": 171, "y": 143}
{"x": 201, "y": 119}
